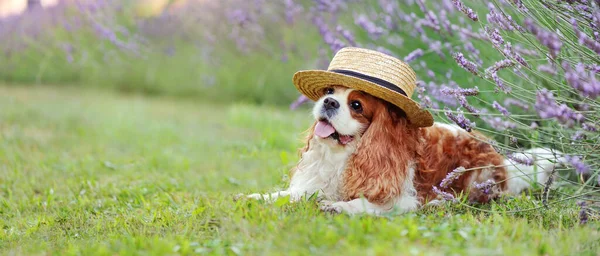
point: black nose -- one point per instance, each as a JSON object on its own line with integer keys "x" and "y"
{"x": 331, "y": 103}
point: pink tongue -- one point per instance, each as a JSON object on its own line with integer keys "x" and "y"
{"x": 324, "y": 129}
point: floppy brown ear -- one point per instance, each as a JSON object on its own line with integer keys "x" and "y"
{"x": 379, "y": 166}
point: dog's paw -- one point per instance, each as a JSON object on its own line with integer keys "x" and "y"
{"x": 238, "y": 197}
{"x": 330, "y": 207}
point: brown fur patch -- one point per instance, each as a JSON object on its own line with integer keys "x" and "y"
{"x": 440, "y": 152}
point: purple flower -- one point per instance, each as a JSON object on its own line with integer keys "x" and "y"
{"x": 465, "y": 104}
{"x": 329, "y": 38}
{"x": 547, "y": 68}
{"x": 425, "y": 100}
{"x": 460, "y": 91}
{"x": 501, "y": 19}
{"x": 583, "y": 214}
{"x": 579, "y": 135}
{"x": 460, "y": 120}
{"x": 346, "y": 34}
{"x": 578, "y": 164}
{"x": 511, "y": 53}
{"x": 444, "y": 195}
{"x": 301, "y": 100}
{"x": 593, "y": 68}
{"x": 589, "y": 127}
{"x": 510, "y": 101}
{"x": 465, "y": 64}
{"x": 499, "y": 65}
{"x": 486, "y": 186}
{"x": 494, "y": 36}
{"x": 584, "y": 39}
{"x": 452, "y": 176}
{"x": 498, "y": 123}
{"x": 373, "y": 30}
{"x": 547, "y": 107}
{"x": 520, "y": 158}
{"x": 413, "y": 55}
{"x": 583, "y": 81}
{"x": 500, "y": 108}
{"x": 291, "y": 10}
{"x": 499, "y": 83}
{"x": 547, "y": 38}
{"x": 466, "y": 10}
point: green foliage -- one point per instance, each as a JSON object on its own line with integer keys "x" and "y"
{"x": 86, "y": 172}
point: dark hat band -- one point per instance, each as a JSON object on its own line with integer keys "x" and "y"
{"x": 371, "y": 79}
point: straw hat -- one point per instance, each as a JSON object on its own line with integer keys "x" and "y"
{"x": 375, "y": 73}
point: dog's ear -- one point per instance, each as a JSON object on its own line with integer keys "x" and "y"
{"x": 380, "y": 165}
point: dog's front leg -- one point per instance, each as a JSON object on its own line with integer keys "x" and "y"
{"x": 356, "y": 206}
{"x": 271, "y": 197}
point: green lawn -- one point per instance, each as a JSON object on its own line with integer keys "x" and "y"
{"x": 87, "y": 172}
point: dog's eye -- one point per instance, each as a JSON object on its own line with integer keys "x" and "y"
{"x": 329, "y": 90}
{"x": 356, "y": 105}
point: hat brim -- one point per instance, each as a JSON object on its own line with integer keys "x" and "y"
{"x": 312, "y": 83}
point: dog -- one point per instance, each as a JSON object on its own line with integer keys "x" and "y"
{"x": 363, "y": 156}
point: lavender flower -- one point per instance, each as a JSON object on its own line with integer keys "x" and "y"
{"x": 583, "y": 81}
{"x": 373, "y": 30}
{"x": 547, "y": 107}
{"x": 462, "y": 100}
{"x": 547, "y": 38}
{"x": 347, "y": 35}
{"x": 413, "y": 55}
{"x": 499, "y": 83}
{"x": 301, "y": 100}
{"x": 452, "y": 176}
{"x": 460, "y": 91}
{"x": 460, "y": 120}
{"x": 510, "y": 102}
{"x": 593, "y": 68}
{"x": 445, "y": 22}
{"x": 424, "y": 99}
{"x": 583, "y": 214}
{"x": 466, "y": 10}
{"x": 486, "y": 186}
{"x": 578, "y": 164}
{"x": 494, "y": 36}
{"x": 529, "y": 52}
{"x": 579, "y": 135}
{"x": 511, "y": 53}
{"x": 291, "y": 10}
{"x": 547, "y": 68}
{"x": 499, "y": 124}
{"x": 502, "y": 20}
{"x": 589, "y": 127}
{"x": 500, "y": 108}
{"x": 465, "y": 64}
{"x": 584, "y": 39}
{"x": 499, "y": 65}
{"x": 520, "y": 158}
{"x": 329, "y": 38}
{"x": 444, "y": 195}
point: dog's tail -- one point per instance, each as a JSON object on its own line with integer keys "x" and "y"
{"x": 533, "y": 166}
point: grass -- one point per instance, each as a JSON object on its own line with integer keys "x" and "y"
{"x": 86, "y": 172}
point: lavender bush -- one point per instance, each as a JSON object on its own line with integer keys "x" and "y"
{"x": 524, "y": 72}
{"x": 219, "y": 50}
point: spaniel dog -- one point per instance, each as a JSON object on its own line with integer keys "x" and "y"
{"x": 363, "y": 156}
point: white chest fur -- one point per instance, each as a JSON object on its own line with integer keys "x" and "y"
{"x": 320, "y": 170}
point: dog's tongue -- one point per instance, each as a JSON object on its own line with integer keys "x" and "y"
{"x": 324, "y": 129}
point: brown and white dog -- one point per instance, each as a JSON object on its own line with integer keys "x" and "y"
{"x": 363, "y": 156}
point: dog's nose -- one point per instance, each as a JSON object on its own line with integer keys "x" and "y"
{"x": 331, "y": 103}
